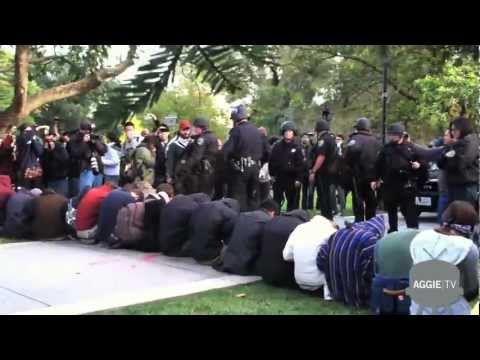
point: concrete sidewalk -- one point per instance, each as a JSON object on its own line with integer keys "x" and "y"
{"x": 66, "y": 277}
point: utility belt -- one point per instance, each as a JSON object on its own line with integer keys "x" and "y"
{"x": 244, "y": 163}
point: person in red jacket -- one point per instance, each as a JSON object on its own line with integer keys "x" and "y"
{"x": 5, "y": 193}
{"x": 88, "y": 211}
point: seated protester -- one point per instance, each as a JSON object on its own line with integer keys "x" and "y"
{"x": 153, "y": 214}
{"x": 302, "y": 248}
{"x": 173, "y": 225}
{"x": 88, "y": 211}
{"x": 109, "y": 209}
{"x": 130, "y": 231}
{"x": 5, "y": 193}
{"x": 18, "y": 222}
{"x": 270, "y": 265}
{"x": 210, "y": 224}
{"x": 451, "y": 243}
{"x": 243, "y": 245}
{"x": 55, "y": 162}
{"x": 346, "y": 259}
{"x": 392, "y": 271}
{"x": 48, "y": 213}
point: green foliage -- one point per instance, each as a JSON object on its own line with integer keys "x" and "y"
{"x": 443, "y": 95}
{"x": 187, "y": 100}
{"x": 223, "y": 67}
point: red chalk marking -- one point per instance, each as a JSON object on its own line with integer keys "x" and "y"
{"x": 149, "y": 258}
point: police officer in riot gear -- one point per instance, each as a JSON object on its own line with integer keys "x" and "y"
{"x": 401, "y": 170}
{"x": 244, "y": 152}
{"x": 360, "y": 155}
{"x": 322, "y": 173}
{"x": 286, "y": 167}
{"x": 195, "y": 173}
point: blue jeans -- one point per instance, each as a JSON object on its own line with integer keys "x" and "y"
{"x": 466, "y": 193}
{"x": 88, "y": 179}
{"x": 442, "y": 205}
{"x": 59, "y": 186}
{"x": 112, "y": 178}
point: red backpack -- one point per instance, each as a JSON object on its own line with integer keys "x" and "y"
{"x": 130, "y": 224}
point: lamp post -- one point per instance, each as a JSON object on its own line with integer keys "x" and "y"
{"x": 384, "y": 51}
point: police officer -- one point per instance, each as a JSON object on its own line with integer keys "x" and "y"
{"x": 400, "y": 169}
{"x": 196, "y": 169}
{"x": 360, "y": 155}
{"x": 286, "y": 166}
{"x": 244, "y": 153}
{"x": 307, "y": 189}
{"x": 324, "y": 155}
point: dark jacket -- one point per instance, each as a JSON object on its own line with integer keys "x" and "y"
{"x": 361, "y": 153}
{"x": 210, "y": 224}
{"x": 287, "y": 161}
{"x": 81, "y": 153}
{"x": 5, "y": 193}
{"x": 246, "y": 141}
{"x": 460, "y": 161}
{"x": 55, "y": 163}
{"x": 153, "y": 214}
{"x": 174, "y": 152}
{"x": 160, "y": 164}
{"x": 18, "y": 222}
{"x": 109, "y": 209}
{"x": 202, "y": 148}
{"x": 49, "y": 209}
{"x": 394, "y": 167}
{"x": 29, "y": 151}
{"x": 270, "y": 265}
{"x": 243, "y": 245}
{"x": 325, "y": 146}
{"x": 6, "y": 156}
{"x": 173, "y": 227}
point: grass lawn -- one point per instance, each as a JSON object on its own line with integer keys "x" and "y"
{"x": 252, "y": 299}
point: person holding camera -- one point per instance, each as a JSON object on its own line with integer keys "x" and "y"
{"x": 28, "y": 153}
{"x": 401, "y": 170}
{"x": 86, "y": 150}
{"x": 55, "y": 161}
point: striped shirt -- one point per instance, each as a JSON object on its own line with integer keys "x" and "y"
{"x": 347, "y": 261}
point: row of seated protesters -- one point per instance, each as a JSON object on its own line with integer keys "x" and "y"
{"x": 357, "y": 265}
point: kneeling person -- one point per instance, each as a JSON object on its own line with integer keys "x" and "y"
{"x": 243, "y": 246}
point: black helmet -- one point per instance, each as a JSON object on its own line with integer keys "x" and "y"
{"x": 239, "y": 113}
{"x": 396, "y": 129}
{"x": 322, "y": 125}
{"x": 200, "y": 123}
{"x": 362, "y": 124}
{"x": 288, "y": 125}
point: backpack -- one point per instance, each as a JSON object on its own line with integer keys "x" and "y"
{"x": 130, "y": 224}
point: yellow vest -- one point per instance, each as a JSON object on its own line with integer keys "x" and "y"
{"x": 475, "y": 310}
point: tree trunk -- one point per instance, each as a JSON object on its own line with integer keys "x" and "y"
{"x": 22, "y": 105}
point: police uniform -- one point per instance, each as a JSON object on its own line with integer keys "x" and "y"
{"x": 360, "y": 155}
{"x": 307, "y": 189}
{"x": 325, "y": 146}
{"x": 244, "y": 152}
{"x": 400, "y": 180}
{"x": 286, "y": 166}
{"x": 196, "y": 171}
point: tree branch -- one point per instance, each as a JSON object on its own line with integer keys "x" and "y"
{"x": 374, "y": 68}
{"x": 82, "y": 86}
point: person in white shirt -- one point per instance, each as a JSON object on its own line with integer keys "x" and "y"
{"x": 111, "y": 159}
{"x": 302, "y": 248}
